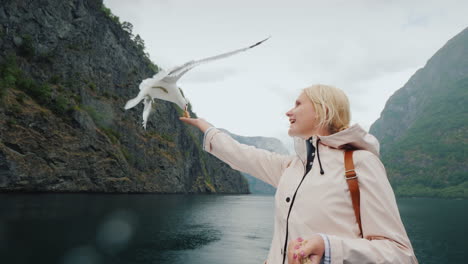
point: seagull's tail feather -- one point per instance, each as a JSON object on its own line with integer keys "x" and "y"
{"x": 133, "y": 102}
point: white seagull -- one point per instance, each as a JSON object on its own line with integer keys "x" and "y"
{"x": 163, "y": 85}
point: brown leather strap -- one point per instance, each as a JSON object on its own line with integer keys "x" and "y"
{"x": 351, "y": 179}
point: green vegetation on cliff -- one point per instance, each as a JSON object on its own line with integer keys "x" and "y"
{"x": 424, "y": 130}
{"x": 12, "y": 77}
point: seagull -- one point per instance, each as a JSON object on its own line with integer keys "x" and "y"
{"x": 163, "y": 85}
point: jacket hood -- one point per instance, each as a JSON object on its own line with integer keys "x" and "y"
{"x": 354, "y": 137}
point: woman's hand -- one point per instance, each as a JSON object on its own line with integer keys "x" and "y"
{"x": 201, "y": 123}
{"x": 306, "y": 251}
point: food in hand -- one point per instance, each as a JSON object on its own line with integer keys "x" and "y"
{"x": 306, "y": 260}
{"x": 303, "y": 259}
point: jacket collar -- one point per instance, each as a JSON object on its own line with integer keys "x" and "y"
{"x": 354, "y": 137}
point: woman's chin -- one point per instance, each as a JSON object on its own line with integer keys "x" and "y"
{"x": 291, "y": 132}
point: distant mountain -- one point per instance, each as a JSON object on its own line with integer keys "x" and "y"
{"x": 257, "y": 186}
{"x": 423, "y": 129}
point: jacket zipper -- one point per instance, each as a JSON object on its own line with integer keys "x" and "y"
{"x": 289, "y": 212}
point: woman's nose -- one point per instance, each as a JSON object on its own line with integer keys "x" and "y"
{"x": 288, "y": 113}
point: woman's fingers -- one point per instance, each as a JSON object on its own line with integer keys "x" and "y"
{"x": 188, "y": 120}
{"x": 200, "y": 123}
{"x": 293, "y": 252}
{"x": 305, "y": 251}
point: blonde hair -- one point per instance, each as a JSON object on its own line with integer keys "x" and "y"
{"x": 331, "y": 105}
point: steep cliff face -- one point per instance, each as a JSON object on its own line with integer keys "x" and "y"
{"x": 67, "y": 68}
{"x": 423, "y": 128}
{"x": 257, "y": 186}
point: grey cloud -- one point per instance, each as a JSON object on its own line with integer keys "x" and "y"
{"x": 367, "y": 48}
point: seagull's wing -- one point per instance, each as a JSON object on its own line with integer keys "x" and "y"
{"x": 147, "y": 110}
{"x": 133, "y": 102}
{"x": 150, "y": 81}
{"x": 178, "y": 72}
{"x": 145, "y": 88}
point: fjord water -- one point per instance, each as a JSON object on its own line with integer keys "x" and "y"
{"x": 144, "y": 228}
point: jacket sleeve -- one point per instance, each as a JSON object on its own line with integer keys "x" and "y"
{"x": 262, "y": 164}
{"x": 385, "y": 239}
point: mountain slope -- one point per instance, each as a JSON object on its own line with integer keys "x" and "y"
{"x": 423, "y": 128}
{"x": 66, "y": 70}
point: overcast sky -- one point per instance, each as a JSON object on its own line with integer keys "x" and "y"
{"x": 368, "y": 48}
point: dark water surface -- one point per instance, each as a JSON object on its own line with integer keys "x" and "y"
{"x": 212, "y": 229}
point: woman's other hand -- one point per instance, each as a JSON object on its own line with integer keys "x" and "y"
{"x": 306, "y": 251}
{"x": 201, "y": 123}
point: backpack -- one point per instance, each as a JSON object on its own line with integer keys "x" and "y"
{"x": 353, "y": 185}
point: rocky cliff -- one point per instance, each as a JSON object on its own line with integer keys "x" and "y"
{"x": 423, "y": 128}
{"x": 67, "y": 68}
{"x": 257, "y": 186}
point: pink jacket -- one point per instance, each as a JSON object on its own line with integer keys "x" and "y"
{"x": 323, "y": 203}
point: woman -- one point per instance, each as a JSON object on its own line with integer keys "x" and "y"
{"x": 314, "y": 215}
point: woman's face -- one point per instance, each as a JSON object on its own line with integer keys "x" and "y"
{"x": 302, "y": 118}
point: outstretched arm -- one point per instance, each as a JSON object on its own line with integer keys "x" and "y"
{"x": 262, "y": 164}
